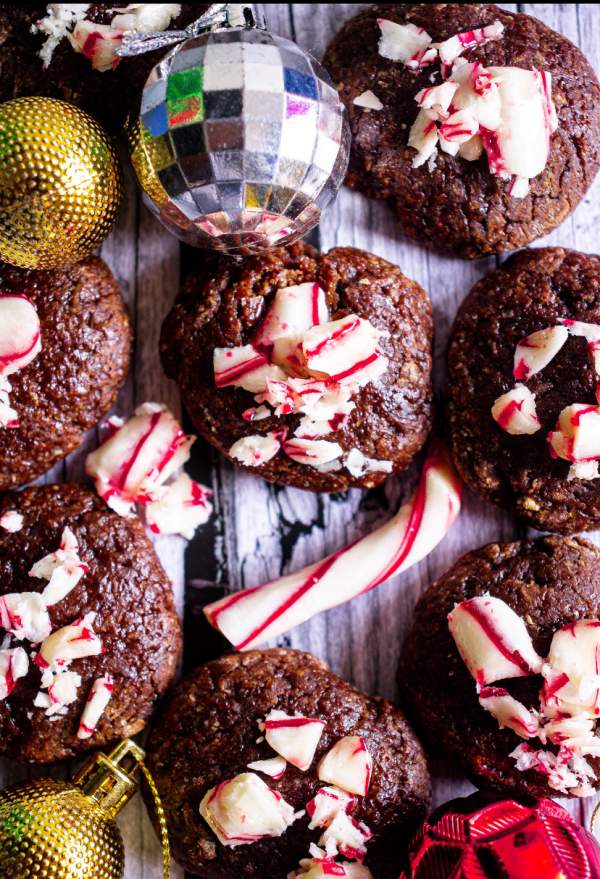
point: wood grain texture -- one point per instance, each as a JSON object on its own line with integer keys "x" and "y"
{"x": 260, "y": 531}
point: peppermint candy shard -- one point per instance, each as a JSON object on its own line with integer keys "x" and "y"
{"x": 74, "y": 641}
{"x": 492, "y": 640}
{"x": 244, "y": 809}
{"x": 180, "y": 508}
{"x": 274, "y": 767}
{"x": 63, "y": 569}
{"x": 348, "y": 765}
{"x": 294, "y": 738}
{"x": 98, "y": 699}
{"x": 11, "y": 521}
{"x": 534, "y": 352}
{"x": 25, "y": 616}
{"x": 14, "y": 664}
{"x": 515, "y": 411}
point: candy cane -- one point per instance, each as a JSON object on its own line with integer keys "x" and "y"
{"x": 253, "y": 616}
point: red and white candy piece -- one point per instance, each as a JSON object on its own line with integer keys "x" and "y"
{"x": 244, "y": 809}
{"x": 11, "y": 521}
{"x": 508, "y": 711}
{"x": 321, "y": 864}
{"x": 565, "y": 772}
{"x": 250, "y": 617}
{"x": 576, "y": 438}
{"x": 515, "y": 411}
{"x": 437, "y": 99}
{"x": 314, "y": 452}
{"x": 75, "y": 641}
{"x": 424, "y": 138}
{"x": 63, "y": 569}
{"x": 405, "y": 42}
{"x": 325, "y": 805}
{"x": 293, "y": 311}
{"x": 274, "y": 767}
{"x": 452, "y": 48}
{"x": 98, "y": 699}
{"x": 139, "y": 457}
{"x": 25, "y": 616}
{"x": 521, "y": 144}
{"x": 20, "y": 334}
{"x": 575, "y": 653}
{"x": 344, "y": 350}
{"x": 492, "y": 640}
{"x": 62, "y": 691}
{"x": 458, "y": 128}
{"x": 348, "y": 765}
{"x": 293, "y": 738}
{"x": 535, "y": 351}
{"x": 14, "y": 664}
{"x": 8, "y": 416}
{"x": 180, "y": 508}
{"x": 358, "y": 464}
{"x": 256, "y": 449}
{"x": 346, "y": 836}
{"x": 244, "y": 367}
{"x": 368, "y": 100}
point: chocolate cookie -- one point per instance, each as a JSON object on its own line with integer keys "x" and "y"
{"x": 550, "y": 583}
{"x": 449, "y": 201}
{"x": 207, "y": 735}
{"x": 125, "y": 601}
{"x": 74, "y": 380}
{"x": 534, "y": 290}
{"x": 370, "y": 428}
{"x": 107, "y": 95}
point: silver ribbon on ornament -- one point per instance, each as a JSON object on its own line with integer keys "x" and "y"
{"x": 219, "y": 15}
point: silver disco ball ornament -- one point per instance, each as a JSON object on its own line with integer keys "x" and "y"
{"x": 241, "y": 141}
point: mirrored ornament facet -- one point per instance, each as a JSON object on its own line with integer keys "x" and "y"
{"x": 241, "y": 141}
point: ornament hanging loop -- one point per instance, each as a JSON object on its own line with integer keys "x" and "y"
{"x": 218, "y": 16}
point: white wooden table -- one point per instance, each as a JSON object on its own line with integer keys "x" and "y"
{"x": 260, "y": 531}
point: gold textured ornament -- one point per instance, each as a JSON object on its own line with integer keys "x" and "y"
{"x": 60, "y": 183}
{"x": 66, "y": 830}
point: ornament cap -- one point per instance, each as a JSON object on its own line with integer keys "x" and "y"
{"x": 109, "y": 780}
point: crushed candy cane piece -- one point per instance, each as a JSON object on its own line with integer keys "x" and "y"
{"x": 25, "y": 616}
{"x": 344, "y": 350}
{"x": 244, "y": 367}
{"x": 348, "y": 765}
{"x": 97, "y": 702}
{"x": 492, "y": 640}
{"x": 20, "y": 333}
{"x": 459, "y": 128}
{"x": 534, "y": 352}
{"x": 11, "y": 521}
{"x": 314, "y": 452}
{"x": 452, "y": 48}
{"x": 564, "y": 772}
{"x": 575, "y": 653}
{"x": 62, "y": 691}
{"x": 14, "y": 664}
{"x": 368, "y": 100}
{"x": 256, "y": 413}
{"x": 8, "y": 416}
{"x": 255, "y": 450}
{"x": 74, "y": 641}
{"x": 244, "y": 809}
{"x": 576, "y": 437}
{"x": 402, "y": 42}
{"x": 346, "y": 836}
{"x": 139, "y": 457}
{"x": 325, "y": 805}
{"x": 358, "y": 464}
{"x": 437, "y": 98}
{"x": 274, "y": 767}
{"x": 293, "y": 311}
{"x": 293, "y": 738}
{"x": 180, "y": 508}
{"x": 63, "y": 569}
{"x": 515, "y": 411}
{"x": 423, "y": 138}
{"x": 508, "y": 711}
{"x": 250, "y": 617}
{"x": 320, "y": 864}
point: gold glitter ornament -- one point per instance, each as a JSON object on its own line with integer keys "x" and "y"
{"x": 60, "y": 183}
{"x": 66, "y": 830}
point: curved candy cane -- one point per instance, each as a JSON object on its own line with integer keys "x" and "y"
{"x": 253, "y": 616}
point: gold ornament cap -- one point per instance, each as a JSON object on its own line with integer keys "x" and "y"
{"x": 59, "y": 829}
